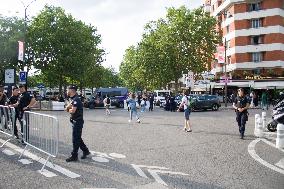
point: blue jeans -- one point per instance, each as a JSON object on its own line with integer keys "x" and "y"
{"x": 133, "y": 111}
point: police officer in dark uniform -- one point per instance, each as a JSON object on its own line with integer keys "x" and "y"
{"x": 13, "y": 102}
{"x": 75, "y": 108}
{"x": 241, "y": 105}
{"x": 26, "y": 101}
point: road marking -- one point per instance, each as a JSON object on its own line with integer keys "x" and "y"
{"x": 8, "y": 152}
{"x": 271, "y": 144}
{"x": 139, "y": 171}
{"x": 47, "y": 173}
{"x": 153, "y": 170}
{"x": 25, "y": 161}
{"x": 251, "y": 150}
{"x": 100, "y": 159}
{"x": 100, "y": 154}
{"x": 42, "y": 161}
{"x": 158, "y": 178}
{"x": 116, "y": 155}
{"x": 280, "y": 163}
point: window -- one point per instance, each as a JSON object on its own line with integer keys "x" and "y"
{"x": 228, "y": 29}
{"x": 255, "y": 40}
{"x": 256, "y": 72}
{"x": 255, "y": 6}
{"x": 228, "y": 44}
{"x": 229, "y": 60}
{"x": 256, "y": 23}
{"x": 257, "y": 57}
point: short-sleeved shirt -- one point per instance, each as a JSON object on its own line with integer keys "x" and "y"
{"x": 24, "y": 100}
{"x": 184, "y": 100}
{"x": 14, "y": 100}
{"x": 3, "y": 100}
{"x": 241, "y": 102}
{"x": 76, "y": 102}
{"x": 132, "y": 103}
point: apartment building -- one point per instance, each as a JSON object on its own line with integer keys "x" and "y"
{"x": 253, "y": 34}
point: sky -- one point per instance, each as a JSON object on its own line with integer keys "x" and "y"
{"x": 119, "y": 22}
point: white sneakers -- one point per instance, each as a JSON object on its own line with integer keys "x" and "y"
{"x": 138, "y": 121}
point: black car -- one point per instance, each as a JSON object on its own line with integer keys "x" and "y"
{"x": 204, "y": 102}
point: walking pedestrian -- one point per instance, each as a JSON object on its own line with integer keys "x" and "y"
{"x": 143, "y": 103}
{"x": 133, "y": 109}
{"x": 75, "y": 108}
{"x": 13, "y": 102}
{"x": 151, "y": 101}
{"x": 186, "y": 106}
{"x": 264, "y": 99}
{"x": 26, "y": 101}
{"x": 107, "y": 103}
{"x": 172, "y": 103}
{"x": 241, "y": 106}
{"x": 3, "y": 100}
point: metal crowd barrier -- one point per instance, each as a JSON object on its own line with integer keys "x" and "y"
{"x": 7, "y": 120}
{"x": 41, "y": 132}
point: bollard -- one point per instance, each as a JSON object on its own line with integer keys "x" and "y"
{"x": 258, "y": 131}
{"x": 263, "y": 117}
{"x": 280, "y": 136}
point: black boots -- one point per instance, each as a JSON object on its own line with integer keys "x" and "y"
{"x": 72, "y": 158}
{"x": 85, "y": 154}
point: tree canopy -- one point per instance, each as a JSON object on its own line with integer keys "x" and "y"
{"x": 183, "y": 41}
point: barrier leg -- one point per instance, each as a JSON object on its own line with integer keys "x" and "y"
{"x": 45, "y": 163}
{"x": 6, "y": 142}
{"x": 23, "y": 151}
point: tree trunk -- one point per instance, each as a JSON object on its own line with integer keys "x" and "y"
{"x": 176, "y": 86}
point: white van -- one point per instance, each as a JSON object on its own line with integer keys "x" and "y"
{"x": 160, "y": 96}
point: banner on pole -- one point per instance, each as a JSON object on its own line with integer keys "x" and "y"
{"x": 21, "y": 51}
{"x": 221, "y": 54}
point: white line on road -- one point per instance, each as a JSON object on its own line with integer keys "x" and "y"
{"x": 47, "y": 173}
{"x": 139, "y": 171}
{"x": 280, "y": 163}
{"x": 25, "y": 161}
{"x": 100, "y": 159}
{"x": 8, "y": 152}
{"x": 158, "y": 178}
{"x": 42, "y": 161}
{"x": 271, "y": 144}
{"x": 251, "y": 150}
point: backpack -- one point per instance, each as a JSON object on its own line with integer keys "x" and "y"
{"x": 108, "y": 100}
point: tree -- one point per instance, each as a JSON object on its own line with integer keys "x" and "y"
{"x": 11, "y": 31}
{"x": 183, "y": 41}
{"x": 65, "y": 50}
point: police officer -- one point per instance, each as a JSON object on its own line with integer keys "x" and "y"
{"x": 241, "y": 105}
{"x": 13, "y": 102}
{"x": 75, "y": 108}
{"x": 26, "y": 101}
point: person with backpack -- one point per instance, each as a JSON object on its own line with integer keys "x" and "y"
{"x": 107, "y": 103}
{"x": 186, "y": 106}
{"x": 241, "y": 106}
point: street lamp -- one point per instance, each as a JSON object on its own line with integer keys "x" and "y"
{"x": 224, "y": 13}
{"x": 24, "y": 41}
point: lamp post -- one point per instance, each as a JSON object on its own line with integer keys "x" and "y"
{"x": 226, "y": 75}
{"x": 24, "y": 41}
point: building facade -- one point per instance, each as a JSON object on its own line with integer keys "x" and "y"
{"x": 253, "y": 34}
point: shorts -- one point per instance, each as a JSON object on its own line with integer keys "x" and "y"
{"x": 186, "y": 114}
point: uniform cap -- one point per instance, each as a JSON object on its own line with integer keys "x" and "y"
{"x": 74, "y": 87}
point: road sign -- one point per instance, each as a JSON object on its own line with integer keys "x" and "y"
{"x": 23, "y": 77}
{"x": 41, "y": 86}
{"x": 9, "y": 76}
{"x": 221, "y": 54}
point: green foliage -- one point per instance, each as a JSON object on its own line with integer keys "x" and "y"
{"x": 11, "y": 31}
{"x": 64, "y": 49}
{"x": 183, "y": 41}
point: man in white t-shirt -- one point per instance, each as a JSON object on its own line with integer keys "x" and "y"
{"x": 185, "y": 104}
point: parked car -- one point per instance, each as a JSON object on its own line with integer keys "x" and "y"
{"x": 97, "y": 101}
{"x": 204, "y": 102}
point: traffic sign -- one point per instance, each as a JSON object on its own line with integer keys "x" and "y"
{"x": 23, "y": 77}
{"x": 40, "y": 86}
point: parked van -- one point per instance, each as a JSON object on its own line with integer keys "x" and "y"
{"x": 160, "y": 96}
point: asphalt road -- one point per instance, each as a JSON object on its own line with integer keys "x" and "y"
{"x": 153, "y": 154}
